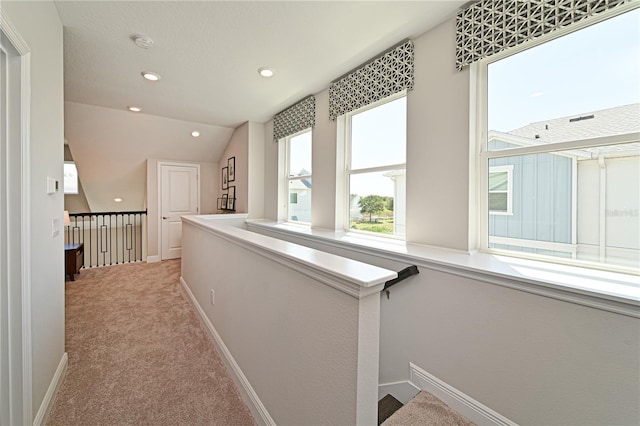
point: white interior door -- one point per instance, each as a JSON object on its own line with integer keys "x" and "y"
{"x": 179, "y": 197}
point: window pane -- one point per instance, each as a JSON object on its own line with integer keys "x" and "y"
{"x": 70, "y": 178}
{"x": 378, "y": 135}
{"x": 498, "y": 202}
{"x": 300, "y": 200}
{"x": 560, "y": 200}
{"x": 498, "y": 181}
{"x": 582, "y": 85}
{"x": 377, "y": 202}
{"x": 300, "y": 155}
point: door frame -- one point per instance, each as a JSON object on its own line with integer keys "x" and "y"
{"x": 159, "y": 180}
{"x": 19, "y": 343}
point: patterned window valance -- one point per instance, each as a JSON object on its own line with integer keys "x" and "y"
{"x": 297, "y": 117}
{"x": 490, "y": 26}
{"x": 383, "y": 76}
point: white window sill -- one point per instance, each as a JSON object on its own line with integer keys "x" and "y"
{"x": 610, "y": 291}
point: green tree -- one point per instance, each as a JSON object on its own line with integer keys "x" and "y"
{"x": 371, "y": 204}
{"x": 388, "y": 203}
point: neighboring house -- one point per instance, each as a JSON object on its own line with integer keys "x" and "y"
{"x": 399, "y": 178}
{"x": 534, "y": 199}
{"x": 300, "y": 199}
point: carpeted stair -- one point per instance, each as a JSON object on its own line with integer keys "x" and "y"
{"x": 424, "y": 409}
{"x": 386, "y": 407}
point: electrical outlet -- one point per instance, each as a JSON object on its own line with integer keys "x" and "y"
{"x": 213, "y": 296}
{"x": 55, "y": 227}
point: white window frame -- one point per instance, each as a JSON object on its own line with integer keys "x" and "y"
{"x": 509, "y": 191}
{"x": 348, "y": 172}
{"x": 479, "y": 142}
{"x": 287, "y": 176}
{"x": 77, "y": 181}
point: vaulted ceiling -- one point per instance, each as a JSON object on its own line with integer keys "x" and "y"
{"x": 207, "y": 54}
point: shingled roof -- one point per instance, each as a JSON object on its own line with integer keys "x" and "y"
{"x": 606, "y": 122}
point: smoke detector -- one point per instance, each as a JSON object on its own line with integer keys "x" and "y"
{"x": 142, "y": 41}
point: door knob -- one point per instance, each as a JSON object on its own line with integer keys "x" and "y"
{"x": 165, "y": 217}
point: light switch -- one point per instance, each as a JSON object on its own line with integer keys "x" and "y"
{"x": 52, "y": 185}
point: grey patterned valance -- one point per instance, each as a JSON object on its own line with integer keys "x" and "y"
{"x": 297, "y": 117}
{"x": 490, "y": 26}
{"x": 385, "y": 75}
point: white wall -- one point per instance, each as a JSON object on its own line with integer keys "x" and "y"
{"x": 39, "y": 25}
{"x": 110, "y": 148}
{"x": 270, "y": 179}
{"x": 255, "y": 169}
{"x": 238, "y": 147}
{"x": 209, "y": 181}
{"x": 305, "y": 343}
{"x": 323, "y": 164}
{"x": 532, "y": 359}
{"x": 438, "y": 144}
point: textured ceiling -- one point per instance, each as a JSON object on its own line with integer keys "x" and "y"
{"x": 208, "y": 52}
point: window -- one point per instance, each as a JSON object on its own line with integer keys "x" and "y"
{"x": 501, "y": 190}
{"x": 560, "y": 153}
{"x": 70, "y": 178}
{"x": 298, "y": 176}
{"x": 376, "y": 167}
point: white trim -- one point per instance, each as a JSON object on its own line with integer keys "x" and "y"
{"x": 391, "y": 168}
{"x": 481, "y": 134}
{"x": 536, "y": 244}
{"x": 323, "y": 267}
{"x": 562, "y": 282}
{"x": 18, "y": 42}
{"x": 153, "y": 259}
{"x": 347, "y": 171}
{"x": 27, "y": 355}
{"x": 403, "y": 391}
{"x": 457, "y": 400}
{"x": 509, "y": 170}
{"x": 255, "y": 405}
{"x": 563, "y": 147}
{"x": 287, "y": 175}
{"x": 12, "y": 34}
{"x": 49, "y": 398}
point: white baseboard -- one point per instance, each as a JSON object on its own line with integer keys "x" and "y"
{"x": 457, "y": 400}
{"x": 402, "y": 391}
{"x": 153, "y": 259}
{"x": 258, "y": 410}
{"x": 52, "y": 391}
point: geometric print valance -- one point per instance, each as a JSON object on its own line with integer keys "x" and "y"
{"x": 490, "y": 26}
{"x": 390, "y": 73}
{"x": 297, "y": 117}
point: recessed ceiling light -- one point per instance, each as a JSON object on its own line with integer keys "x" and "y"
{"x": 134, "y": 108}
{"x": 142, "y": 41}
{"x": 117, "y": 200}
{"x": 151, "y": 76}
{"x": 265, "y": 72}
{"x": 195, "y": 133}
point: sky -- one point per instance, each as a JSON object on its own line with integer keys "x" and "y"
{"x": 595, "y": 68}
{"x": 601, "y": 70}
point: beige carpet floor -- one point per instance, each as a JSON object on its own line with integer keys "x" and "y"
{"x": 138, "y": 354}
{"x": 427, "y": 410}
